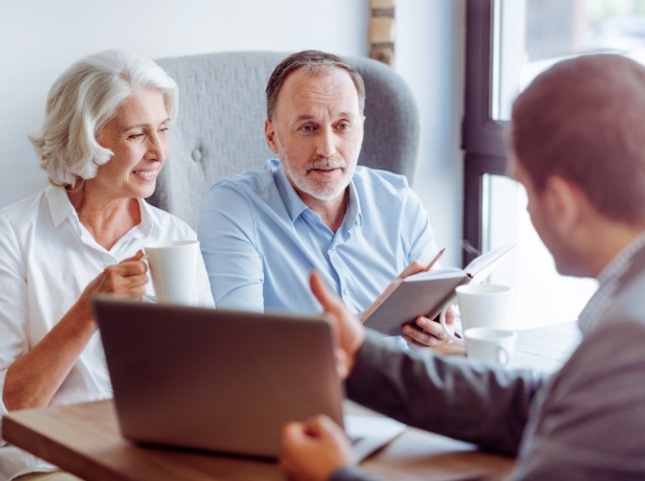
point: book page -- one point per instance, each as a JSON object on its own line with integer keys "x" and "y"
{"x": 439, "y": 273}
{"x": 480, "y": 267}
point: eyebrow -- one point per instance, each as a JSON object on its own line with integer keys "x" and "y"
{"x": 144, "y": 125}
{"x": 304, "y": 117}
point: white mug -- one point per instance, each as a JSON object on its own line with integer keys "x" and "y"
{"x": 172, "y": 269}
{"x": 480, "y": 305}
{"x": 490, "y": 344}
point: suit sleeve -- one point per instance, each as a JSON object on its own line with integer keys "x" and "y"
{"x": 452, "y": 396}
{"x": 590, "y": 425}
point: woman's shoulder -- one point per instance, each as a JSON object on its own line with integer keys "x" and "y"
{"x": 24, "y": 209}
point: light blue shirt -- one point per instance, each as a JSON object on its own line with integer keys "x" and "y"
{"x": 260, "y": 241}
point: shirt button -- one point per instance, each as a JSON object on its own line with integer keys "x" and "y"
{"x": 346, "y": 291}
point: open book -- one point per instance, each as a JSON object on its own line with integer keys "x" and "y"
{"x": 426, "y": 293}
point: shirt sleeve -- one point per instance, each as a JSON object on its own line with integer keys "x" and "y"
{"x": 13, "y": 304}
{"x": 227, "y": 235}
{"x": 417, "y": 235}
{"x": 452, "y": 396}
{"x": 590, "y": 424}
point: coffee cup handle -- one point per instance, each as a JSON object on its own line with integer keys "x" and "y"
{"x": 503, "y": 356}
{"x": 146, "y": 296}
{"x": 150, "y": 297}
{"x": 442, "y": 320}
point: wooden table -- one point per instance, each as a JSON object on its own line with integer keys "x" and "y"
{"x": 84, "y": 439}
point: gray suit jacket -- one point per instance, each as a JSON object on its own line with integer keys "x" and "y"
{"x": 586, "y": 422}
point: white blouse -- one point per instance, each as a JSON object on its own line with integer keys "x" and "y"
{"x": 47, "y": 258}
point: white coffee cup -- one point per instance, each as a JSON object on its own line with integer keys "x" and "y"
{"x": 172, "y": 269}
{"x": 490, "y": 344}
{"x": 480, "y": 305}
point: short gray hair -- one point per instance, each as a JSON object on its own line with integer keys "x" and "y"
{"x": 82, "y": 100}
{"x": 315, "y": 62}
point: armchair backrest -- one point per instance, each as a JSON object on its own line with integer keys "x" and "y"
{"x": 220, "y": 126}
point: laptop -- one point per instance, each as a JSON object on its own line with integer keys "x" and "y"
{"x": 223, "y": 380}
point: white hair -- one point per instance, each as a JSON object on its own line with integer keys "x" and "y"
{"x": 81, "y": 102}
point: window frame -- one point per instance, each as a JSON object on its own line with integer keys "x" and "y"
{"x": 482, "y": 136}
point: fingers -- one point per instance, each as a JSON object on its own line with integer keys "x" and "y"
{"x": 322, "y": 425}
{"x": 425, "y": 332}
{"x": 134, "y": 265}
{"x": 137, "y": 257}
{"x": 450, "y": 316}
{"x": 314, "y": 449}
{"x": 116, "y": 280}
{"x": 348, "y": 332}
{"x": 128, "y": 278}
{"x": 413, "y": 268}
{"x": 293, "y": 431}
{"x": 292, "y": 439}
{"x": 342, "y": 363}
{"x": 330, "y": 302}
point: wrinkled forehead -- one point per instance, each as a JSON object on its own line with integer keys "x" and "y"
{"x": 325, "y": 86}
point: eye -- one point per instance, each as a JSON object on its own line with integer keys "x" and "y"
{"x": 343, "y": 125}
{"x": 164, "y": 129}
{"x": 136, "y": 136}
{"x": 307, "y": 128}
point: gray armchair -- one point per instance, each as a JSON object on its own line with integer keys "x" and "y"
{"x": 220, "y": 127}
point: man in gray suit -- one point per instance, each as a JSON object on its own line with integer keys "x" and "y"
{"x": 577, "y": 144}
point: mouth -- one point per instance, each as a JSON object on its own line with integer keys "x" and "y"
{"x": 325, "y": 170}
{"x": 147, "y": 175}
{"x": 326, "y": 167}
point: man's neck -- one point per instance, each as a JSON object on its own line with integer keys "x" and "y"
{"x": 610, "y": 242}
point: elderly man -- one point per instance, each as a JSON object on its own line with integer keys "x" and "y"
{"x": 577, "y": 144}
{"x": 262, "y": 232}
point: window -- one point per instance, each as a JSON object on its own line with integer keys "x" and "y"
{"x": 509, "y": 42}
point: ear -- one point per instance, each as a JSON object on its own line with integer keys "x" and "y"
{"x": 269, "y": 135}
{"x": 565, "y": 204}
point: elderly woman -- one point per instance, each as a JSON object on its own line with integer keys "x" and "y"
{"x": 104, "y": 141}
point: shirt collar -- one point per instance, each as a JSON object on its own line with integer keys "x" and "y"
{"x": 144, "y": 229}
{"x": 60, "y": 208}
{"x": 295, "y": 205}
{"x": 354, "y": 213}
{"x": 608, "y": 283}
{"x": 619, "y": 264}
{"x": 290, "y": 198}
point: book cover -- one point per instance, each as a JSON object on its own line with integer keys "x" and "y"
{"x": 426, "y": 293}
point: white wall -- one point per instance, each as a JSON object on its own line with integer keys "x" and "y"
{"x": 40, "y": 38}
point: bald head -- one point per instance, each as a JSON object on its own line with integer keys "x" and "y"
{"x": 584, "y": 120}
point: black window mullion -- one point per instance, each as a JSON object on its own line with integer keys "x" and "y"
{"x": 482, "y": 138}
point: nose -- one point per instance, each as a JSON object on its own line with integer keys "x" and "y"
{"x": 157, "y": 147}
{"x": 326, "y": 146}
